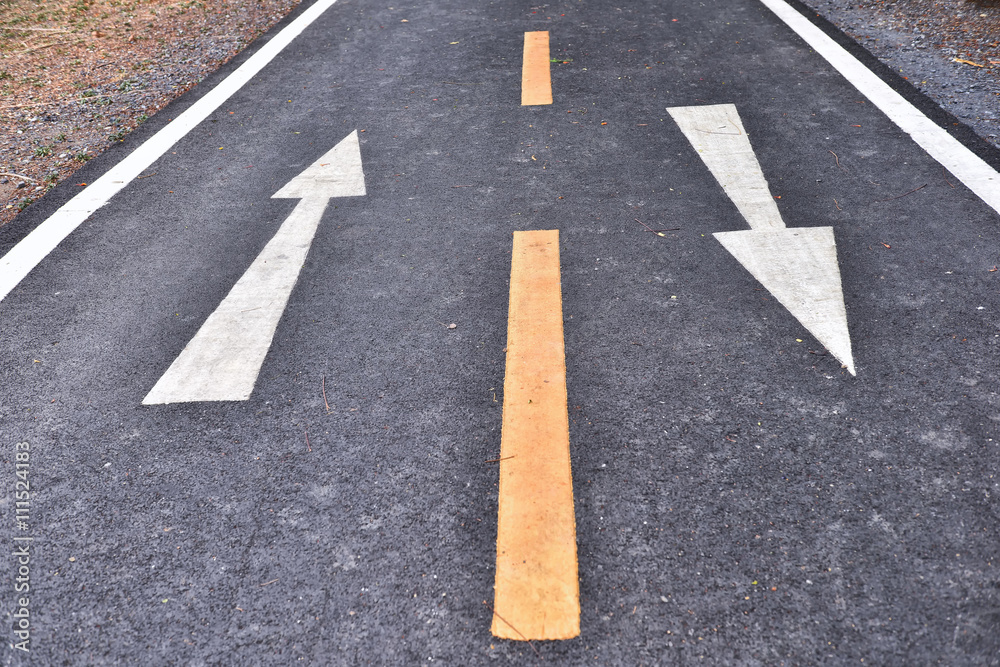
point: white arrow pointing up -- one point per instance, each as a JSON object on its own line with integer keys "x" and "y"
{"x": 797, "y": 266}
{"x": 223, "y": 359}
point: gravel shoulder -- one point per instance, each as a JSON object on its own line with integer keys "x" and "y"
{"x": 948, "y": 49}
{"x": 78, "y": 75}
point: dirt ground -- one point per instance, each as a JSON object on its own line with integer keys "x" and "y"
{"x": 77, "y": 75}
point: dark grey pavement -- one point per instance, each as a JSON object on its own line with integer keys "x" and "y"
{"x": 740, "y": 498}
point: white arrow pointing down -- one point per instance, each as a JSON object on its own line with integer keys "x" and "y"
{"x": 797, "y": 266}
{"x": 222, "y": 361}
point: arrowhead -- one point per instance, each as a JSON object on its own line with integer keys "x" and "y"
{"x": 799, "y": 268}
{"x": 337, "y": 174}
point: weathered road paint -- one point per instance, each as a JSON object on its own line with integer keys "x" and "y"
{"x": 222, "y": 361}
{"x": 537, "y": 583}
{"x": 536, "y": 77}
{"x": 797, "y": 266}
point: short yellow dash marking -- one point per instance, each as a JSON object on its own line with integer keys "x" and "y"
{"x": 537, "y": 585}
{"x": 536, "y": 82}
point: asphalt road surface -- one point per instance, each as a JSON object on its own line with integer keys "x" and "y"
{"x": 778, "y": 458}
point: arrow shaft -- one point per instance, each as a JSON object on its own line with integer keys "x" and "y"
{"x": 717, "y": 133}
{"x": 223, "y": 359}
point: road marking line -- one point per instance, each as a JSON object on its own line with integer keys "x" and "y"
{"x": 536, "y": 79}
{"x": 797, "y": 266}
{"x": 222, "y": 361}
{"x": 537, "y": 582}
{"x": 968, "y": 167}
{"x": 32, "y": 249}
{"x": 717, "y": 133}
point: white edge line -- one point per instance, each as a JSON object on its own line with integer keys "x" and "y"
{"x": 32, "y": 249}
{"x": 968, "y": 167}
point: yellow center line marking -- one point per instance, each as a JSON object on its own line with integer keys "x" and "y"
{"x": 536, "y": 81}
{"x": 537, "y": 585}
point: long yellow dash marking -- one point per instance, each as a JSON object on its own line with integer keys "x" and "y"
{"x": 536, "y": 82}
{"x": 537, "y": 585}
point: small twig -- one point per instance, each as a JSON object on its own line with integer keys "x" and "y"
{"x": 8, "y": 26}
{"x": 463, "y": 186}
{"x": 27, "y": 178}
{"x": 24, "y": 106}
{"x": 268, "y": 583}
{"x": 461, "y": 83}
{"x": 514, "y": 629}
{"x": 837, "y": 205}
{"x": 43, "y": 104}
{"x": 308, "y": 446}
{"x": 907, "y": 193}
{"x": 945, "y": 174}
{"x": 737, "y": 133}
{"x": 499, "y": 460}
{"x": 728, "y": 134}
{"x": 837, "y": 159}
{"x": 43, "y": 46}
{"x": 324, "y": 395}
{"x": 658, "y": 232}
{"x": 147, "y": 176}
